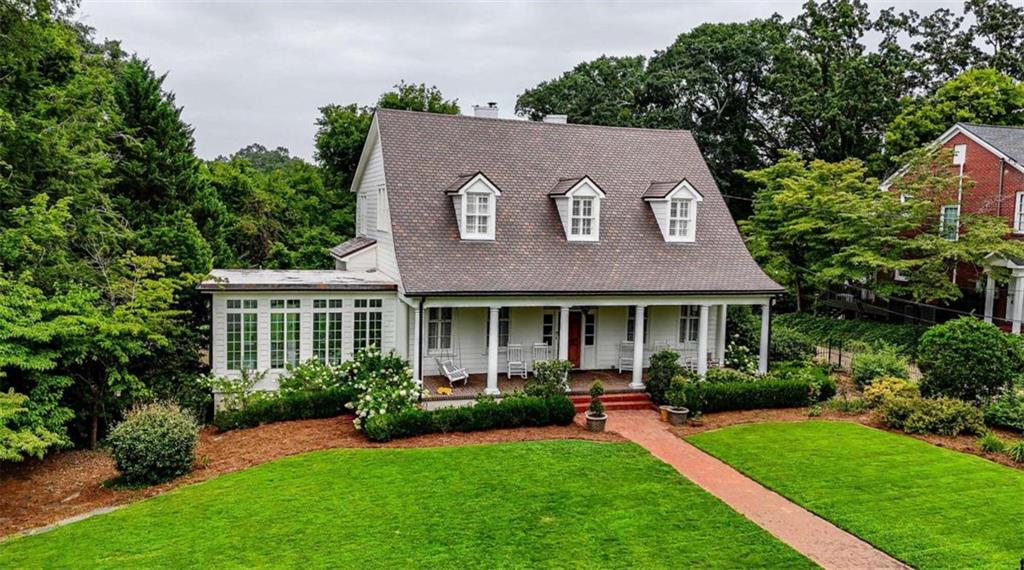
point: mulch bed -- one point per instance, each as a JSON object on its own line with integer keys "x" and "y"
{"x": 961, "y": 443}
{"x": 41, "y": 492}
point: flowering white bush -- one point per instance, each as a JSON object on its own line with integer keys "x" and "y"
{"x": 312, "y": 375}
{"x": 739, "y": 357}
{"x": 382, "y": 382}
{"x": 237, "y": 392}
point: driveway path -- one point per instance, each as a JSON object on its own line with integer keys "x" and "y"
{"x": 807, "y": 533}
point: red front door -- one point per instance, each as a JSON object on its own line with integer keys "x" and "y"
{"x": 575, "y": 327}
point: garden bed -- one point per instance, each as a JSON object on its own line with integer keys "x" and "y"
{"x": 67, "y": 484}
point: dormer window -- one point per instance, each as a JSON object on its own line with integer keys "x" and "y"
{"x": 475, "y": 199}
{"x": 675, "y": 205}
{"x": 583, "y": 221}
{"x": 579, "y": 206}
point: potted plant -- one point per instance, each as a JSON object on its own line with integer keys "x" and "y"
{"x": 677, "y": 397}
{"x": 596, "y": 417}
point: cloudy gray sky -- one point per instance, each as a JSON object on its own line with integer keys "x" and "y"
{"x": 258, "y": 71}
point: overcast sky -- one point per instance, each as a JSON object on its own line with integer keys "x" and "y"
{"x": 258, "y": 71}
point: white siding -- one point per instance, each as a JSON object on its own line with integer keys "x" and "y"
{"x": 389, "y": 332}
{"x": 372, "y": 180}
{"x": 363, "y": 260}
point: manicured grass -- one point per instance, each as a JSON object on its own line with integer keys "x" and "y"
{"x": 927, "y": 506}
{"x": 542, "y": 504}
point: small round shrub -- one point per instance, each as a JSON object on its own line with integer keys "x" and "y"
{"x": 154, "y": 443}
{"x": 878, "y": 362}
{"x": 990, "y": 442}
{"x": 886, "y": 387}
{"x": 967, "y": 358}
{"x": 1016, "y": 451}
{"x": 786, "y": 344}
{"x": 723, "y": 375}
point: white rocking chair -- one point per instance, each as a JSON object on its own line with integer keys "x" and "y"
{"x": 451, "y": 372}
{"x": 625, "y": 356}
{"x": 516, "y": 363}
{"x": 541, "y": 351}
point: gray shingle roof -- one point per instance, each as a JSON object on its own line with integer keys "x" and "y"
{"x": 564, "y": 185}
{"x": 295, "y": 280}
{"x": 424, "y": 153}
{"x": 1008, "y": 140}
{"x": 351, "y": 246}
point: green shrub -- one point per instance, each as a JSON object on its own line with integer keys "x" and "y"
{"x": 991, "y": 442}
{"x": 154, "y": 443}
{"x": 800, "y": 371}
{"x": 596, "y": 407}
{"x": 664, "y": 366}
{"x": 967, "y": 358}
{"x": 823, "y": 329}
{"x": 723, "y": 375}
{"x": 486, "y": 413}
{"x": 1015, "y": 451}
{"x": 942, "y": 416}
{"x": 848, "y": 405}
{"x": 550, "y": 379}
{"x": 885, "y": 387}
{"x": 293, "y": 406}
{"x": 708, "y": 397}
{"x": 1006, "y": 410}
{"x": 786, "y": 344}
{"x": 743, "y": 327}
{"x": 877, "y": 362}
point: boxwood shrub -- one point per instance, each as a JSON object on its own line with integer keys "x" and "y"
{"x": 487, "y": 413}
{"x": 967, "y": 358}
{"x": 942, "y": 416}
{"x": 154, "y": 443}
{"x": 1007, "y": 411}
{"x": 291, "y": 406}
{"x": 878, "y": 362}
{"x": 766, "y": 392}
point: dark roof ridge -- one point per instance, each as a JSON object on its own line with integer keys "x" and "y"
{"x": 535, "y": 123}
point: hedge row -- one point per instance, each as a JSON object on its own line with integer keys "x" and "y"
{"x": 765, "y": 393}
{"x": 295, "y": 406}
{"x": 822, "y": 329}
{"x": 519, "y": 411}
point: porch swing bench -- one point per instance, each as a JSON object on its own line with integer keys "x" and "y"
{"x": 452, "y": 372}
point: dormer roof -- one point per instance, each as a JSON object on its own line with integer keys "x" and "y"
{"x": 464, "y": 181}
{"x": 566, "y": 186}
{"x": 664, "y": 189}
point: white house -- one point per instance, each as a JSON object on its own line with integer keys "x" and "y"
{"x": 477, "y": 237}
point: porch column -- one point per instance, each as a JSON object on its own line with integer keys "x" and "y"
{"x": 1018, "y": 303}
{"x": 492, "y": 353}
{"x": 417, "y": 340}
{"x": 762, "y": 356}
{"x": 990, "y": 296}
{"x": 723, "y": 312}
{"x": 702, "y": 340}
{"x": 638, "y": 349}
{"x": 563, "y": 333}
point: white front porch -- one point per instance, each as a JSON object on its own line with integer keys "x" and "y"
{"x": 597, "y": 333}
{"x": 1013, "y": 304}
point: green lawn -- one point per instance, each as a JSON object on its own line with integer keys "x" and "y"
{"x": 543, "y": 504}
{"x": 927, "y": 506}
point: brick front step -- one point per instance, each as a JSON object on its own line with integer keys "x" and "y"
{"x": 626, "y": 401}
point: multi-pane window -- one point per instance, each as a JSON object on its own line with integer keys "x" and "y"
{"x": 284, "y": 332}
{"x": 478, "y": 214}
{"x": 327, "y": 321}
{"x": 950, "y": 222}
{"x": 689, "y": 323}
{"x": 366, "y": 323}
{"x": 548, "y": 329}
{"x": 589, "y": 328}
{"x": 439, "y": 328}
{"x": 582, "y": 218}
{"x": 631, "y": 326}
{"x": 680, "y": 218}
{"x": 1018, "y": 218}
{"x": 241, "y": 334}
{"x": 502, "y": 328}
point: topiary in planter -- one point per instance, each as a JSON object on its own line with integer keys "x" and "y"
{"x": 154, "y": 443}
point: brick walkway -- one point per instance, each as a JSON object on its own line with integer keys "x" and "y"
{"x": 812, "y": 536}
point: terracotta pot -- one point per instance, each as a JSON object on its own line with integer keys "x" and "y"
{"x": 596, "y": 423}
{"x": 677, "y": 416}
{"x": 664, "y": 412}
